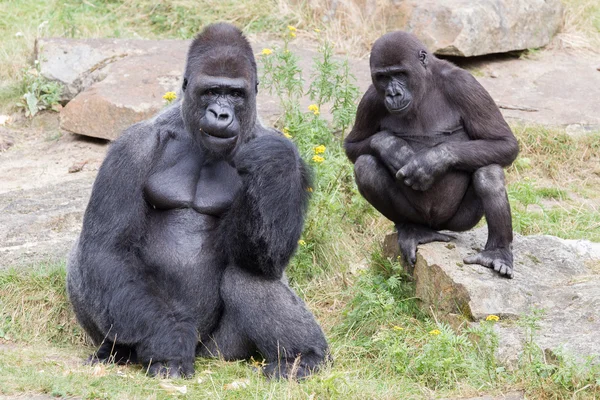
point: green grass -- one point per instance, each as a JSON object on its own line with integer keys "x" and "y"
{"x": 554, "y": 185}
{"x": 384, "y": 345}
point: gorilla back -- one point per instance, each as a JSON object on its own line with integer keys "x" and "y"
{"x": 192, "y": 220}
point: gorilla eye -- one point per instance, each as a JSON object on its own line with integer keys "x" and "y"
{"x": 237, "y": 93}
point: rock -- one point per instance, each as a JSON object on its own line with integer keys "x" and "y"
{"x": 550, "y": 274}
{"x": 78, "y": 64}
{"x": 470, "y": 28}
{"x": 131, "y": 91}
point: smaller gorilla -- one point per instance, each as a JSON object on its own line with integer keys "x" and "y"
{"x": 193, "y": 217}
{"x": 429, "y": 144}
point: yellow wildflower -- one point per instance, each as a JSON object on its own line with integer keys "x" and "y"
{"x": 320, "y": 149}
{"x": 397, "y": 328}
{"x": 314, "y": 108}
{"x": 492, "y": 318}
{"x": 292, "y": 28}
{"x": 266, "y": 52}
{"x": 170, "y": 96}
{"x": 435, "y": 332}
{"x": 318, "y": 159}
{"x": 301, "y": 242}
{"x": 287, "y": 135}
{"x": 293, "y": 34}
{"x": 309, "y": 189}
{"x": 317, "y": 30}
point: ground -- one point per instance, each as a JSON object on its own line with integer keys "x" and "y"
{"x": 47, "y": 176}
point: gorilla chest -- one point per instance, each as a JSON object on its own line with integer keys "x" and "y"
{"x": 185, "y": 182}
{"x": 435, "y": 127}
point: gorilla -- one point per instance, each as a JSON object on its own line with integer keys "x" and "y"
{"x": 428, "y": 147}
{"x": 192, "y": 220}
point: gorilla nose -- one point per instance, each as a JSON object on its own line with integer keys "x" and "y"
{"x": 219, "y": 116}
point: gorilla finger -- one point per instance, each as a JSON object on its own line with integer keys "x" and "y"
{"x": 408, "y": 182}
{"x": 401, "y": 173}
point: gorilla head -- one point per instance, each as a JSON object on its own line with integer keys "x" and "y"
{"x": 399, "y": 70}
{"x": 219, "y": 89}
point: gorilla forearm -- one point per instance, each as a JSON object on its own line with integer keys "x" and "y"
{"x": 471, "y": 155}
{"x": 260, "y": 232}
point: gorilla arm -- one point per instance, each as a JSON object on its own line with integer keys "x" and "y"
{"x": 111, "y": 278}
{"x": 365, "y": 137}
{"x": 261, "y": 230}
{"x": 491, "y": 140}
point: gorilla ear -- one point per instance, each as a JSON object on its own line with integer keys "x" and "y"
{"x": 423, "y": 58}
{"x": 185, "y": 83}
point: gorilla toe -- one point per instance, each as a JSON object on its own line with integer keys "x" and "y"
{"x": 500, "y": 260}
{"x": 171, "y": 369}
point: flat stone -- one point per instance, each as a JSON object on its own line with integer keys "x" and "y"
{"x": 557, "y": 276}
{"x": 470, "y": 28}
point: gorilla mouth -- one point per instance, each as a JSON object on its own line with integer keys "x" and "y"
{"x": 220, "y": 134}
{"x": 396, "y": 109}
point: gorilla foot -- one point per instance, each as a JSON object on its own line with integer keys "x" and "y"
{"x": 500, "y": 260}
{"x": 109, "y": 352}
{"x": 297, "y": 369}
{"x": 171, "y": 369}
{"x": 411, "y": 235}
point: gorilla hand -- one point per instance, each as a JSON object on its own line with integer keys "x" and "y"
{"x": 424, "y": 167}
{"x": 393, "y": 151}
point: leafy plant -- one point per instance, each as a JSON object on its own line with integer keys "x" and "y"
{"x": 39, "y": 93}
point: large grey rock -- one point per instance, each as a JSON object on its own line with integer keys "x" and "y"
{"x": 557, "y": 276}
{"x": 470, "y": 28}
{"x": 78, "y": 64}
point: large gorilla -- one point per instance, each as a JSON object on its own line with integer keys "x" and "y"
{"x": 192, "y": 220}
{"x": 429, "y": 144}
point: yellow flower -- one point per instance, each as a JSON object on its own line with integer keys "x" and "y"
{"x": 320, "y": 149}
{"x": 397, "y": 328}
{"x": 301, "y": 242}
{"x": 492, "y": 318}
{"x": 287, "y": 135}
{"x": 318, "y": 159}
{"x": 317, "y": 30}
{"x": 293, "y": 34}
{"x": 292, "y": 28}
{"x": 170, "y": 96}
{"x": 266, "y": 52}
{"x": 435, "y": 332}
{"x": 309, "y": 189}
{"x": 314, "y": 108}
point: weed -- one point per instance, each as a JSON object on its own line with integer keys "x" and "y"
{"x": 38, "y": 93}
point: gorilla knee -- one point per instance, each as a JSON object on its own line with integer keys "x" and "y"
{"x": 489, "y": 180}
{"x": 366, "y": 171}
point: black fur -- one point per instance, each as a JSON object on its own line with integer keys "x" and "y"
{"x": 429, "y": 144}
{"x": 191, "y": 223}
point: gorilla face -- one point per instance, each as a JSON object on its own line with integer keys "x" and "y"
{"x": 216, "y": 109}
{"x": 399, "y": 71}
{"x": 393, "y": 84}
{"x": 219, "y": 85}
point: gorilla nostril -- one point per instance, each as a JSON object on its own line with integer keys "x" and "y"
{"x": 223, "y": 117}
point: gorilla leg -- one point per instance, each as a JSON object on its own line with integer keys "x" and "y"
{"x": 490, "y": 188}
{"x": 266, "y": 315}
{"x": 110, "y": 352}
{"x": 385, "y": 194}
